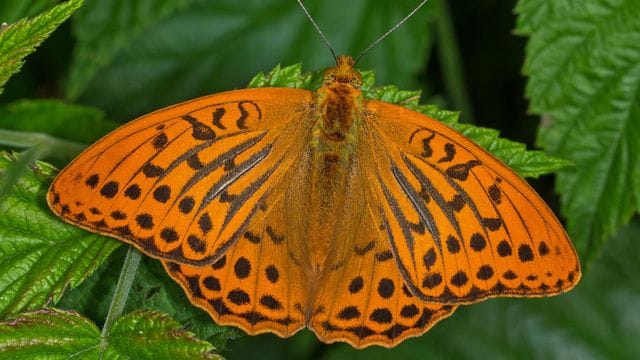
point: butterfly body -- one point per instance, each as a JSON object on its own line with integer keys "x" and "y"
{"x": 338, "y": 117}
{"x": 278, "y": 209}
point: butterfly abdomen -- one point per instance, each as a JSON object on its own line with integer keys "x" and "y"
{"x": 334, "y": 137}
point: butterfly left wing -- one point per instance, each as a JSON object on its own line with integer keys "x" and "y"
{"x": 183, "y": 183}
{"x": 462, "y": 226}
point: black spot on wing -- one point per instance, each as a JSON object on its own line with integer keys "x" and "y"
{"x": 427, "y": 151}
{"x": 384, "y": 256}
{"x": 450, "y": 151}
{"x": 456, "y": 203}
{"x": 461, "y": 171}
{"x": 109, "y": 190}
{"x": 145, "y": 221}
{"x": 159, "y": 141}
{"x": 162, "y": 193}
{"x": 92, "y": 181}
{"x": 272, "y": 273}
{"x": 349, "y": 312}
{"x": 386, "y": 288}
{"x": 253, "y": 238}
{"x": 244, "y": 114}
{"x": 494, "y": 194}
{"x": 277, "y": 239}
{"x": 218, "y": 114}
{"x": 152, "y": 171}
{"x": 133, "y": 191}
{"x": 199, "y": 130}
{"x": 356, "y": 285}
{"x": 360, "y": 251}
{"x": 492, "y": 224}
{"x": 186, "y": 204}
{"x": 194, "y": 162}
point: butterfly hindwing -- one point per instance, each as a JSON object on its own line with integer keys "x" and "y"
{"x": 182, "y": 183}
{"x": 462, "y": 225}
{"x": 363, "y": 299}
{"x": 256, "y": 285}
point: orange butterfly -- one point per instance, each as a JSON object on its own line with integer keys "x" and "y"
{"x": 278, "y": 209}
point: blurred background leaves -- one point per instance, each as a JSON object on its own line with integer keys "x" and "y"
{"x": 118, "y": 59}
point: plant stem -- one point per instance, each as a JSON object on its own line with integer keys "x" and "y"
{"x": 119, "y": 300}
{"x": 449, "y": 54}
{"x": 50, "y": 146}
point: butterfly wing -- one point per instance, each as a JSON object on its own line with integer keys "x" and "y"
{"x": 257, "y": 285}
{"x": 363, "y": 300}
{"x": 462, "y": 226}
{"x": 182, "y": 183}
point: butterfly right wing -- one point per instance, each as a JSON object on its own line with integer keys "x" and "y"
{"x": 461, "y": 224}
{"x": 183, "y": 183}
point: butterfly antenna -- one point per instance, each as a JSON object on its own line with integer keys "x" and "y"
{"x": 390, "y": 31}
{"x": 333, "y": 53}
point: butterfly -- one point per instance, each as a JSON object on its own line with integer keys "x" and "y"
{"x": 278, "y": 209}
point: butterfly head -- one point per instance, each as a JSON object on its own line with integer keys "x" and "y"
{"x": 343, "y": 73}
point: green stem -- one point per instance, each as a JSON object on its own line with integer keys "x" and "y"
{"x": 50, "y": 146}
{"x": 119, "y": 300}
{"x": 450, "y": 60}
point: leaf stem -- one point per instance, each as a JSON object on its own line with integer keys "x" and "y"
{"x": 119, "y": 300}
{"x": 450, "y": 60}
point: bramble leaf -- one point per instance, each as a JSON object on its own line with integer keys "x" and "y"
{"x": 20, "y": 39}
{"x": 61, "y": 334}
{"x": 583, "y": 63}
{"x": 40, "y": 256}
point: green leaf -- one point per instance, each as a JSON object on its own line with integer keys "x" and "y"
{"x": 13, "y": 10}
{"x": 76, "y": 123}
{"x": 40, "y": 256}
{"x": 527, "y": 163}
{"x": 57, "y": 129}
{"x": 583, "y": 63}
{"x": 20, "y": 39}
{"x": 59, "y": 334}
{"x": 203, "y": 47}
{"x": 153, "y": 335}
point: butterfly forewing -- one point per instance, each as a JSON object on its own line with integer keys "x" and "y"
{"x": 182, "y": 183}
{"x": 461, "y": 224}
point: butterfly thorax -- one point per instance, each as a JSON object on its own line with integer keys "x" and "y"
{"x": 339, "y": 103}
{"x": 339, "y": 107}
